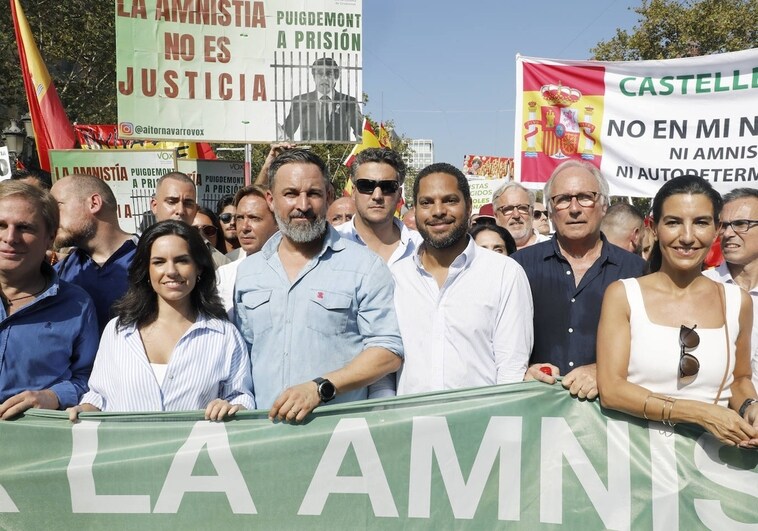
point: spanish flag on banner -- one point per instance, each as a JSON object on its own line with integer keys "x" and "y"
{"x": 52, "y": 130}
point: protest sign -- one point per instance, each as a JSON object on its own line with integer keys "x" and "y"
{"x": 246, "y": 71}
{"x": 5, "y": 164}
{"x": 524, "y": 455}
{"x": 488, "y": 167}
{"x": 641, "y": 122}
{"x": 482, "y": 190}
{"x": 130, "y": 174}
{"x": 214, "y": 179}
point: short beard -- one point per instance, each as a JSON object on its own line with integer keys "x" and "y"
{"x": 443, "y": 242}
{"x": 76, "y": 239}
{"x": 519, "y": 233}
{"x": 311, "y": 232}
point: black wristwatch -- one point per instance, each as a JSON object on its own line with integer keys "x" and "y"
{"x": 326, "y": 389}
{"x": 746, "y": 404}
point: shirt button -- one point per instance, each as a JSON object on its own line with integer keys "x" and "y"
{"x": 568, "y": 272}
{"x": 571, "y": 364}
{"x": 573, "y": 300}
{"x": 170, "y": 376}
{"x": 571, "y": 330}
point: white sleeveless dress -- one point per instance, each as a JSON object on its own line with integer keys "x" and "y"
{"x": 654, "y": 354}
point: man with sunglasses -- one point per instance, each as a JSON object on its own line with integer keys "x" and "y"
{"x": 568, "y": 276}
{"x": 514, "y": 205}
{"x": 739, "y": 245}
{"x": 378, "y": 175}
{"x": 541, "y": 221}
{"x": 225, "y": 211}
{"x": 102, "y": 252}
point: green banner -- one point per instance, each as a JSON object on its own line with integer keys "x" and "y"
{"x": 524, "y": 456}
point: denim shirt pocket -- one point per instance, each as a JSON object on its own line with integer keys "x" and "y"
{"x": 329, "y": 312}
{"x": 258, "y": 310}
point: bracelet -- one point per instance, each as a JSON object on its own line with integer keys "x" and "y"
{"x": 746, "y": 404}
{"x": 670, "y": 401}
{"x": 644, "y": 407}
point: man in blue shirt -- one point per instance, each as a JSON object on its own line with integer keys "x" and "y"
{"x": 568, "y": 276}
{"x": 316, "y": 311}
{"x": 102, "y": 252}
{"x": 48, "y": 330}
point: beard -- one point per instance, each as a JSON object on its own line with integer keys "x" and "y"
{"x": 299, "y": 232}
{"x": 75, "y": 238}
{"x": 444, "y": 241}
{"x": 519, "y": 231}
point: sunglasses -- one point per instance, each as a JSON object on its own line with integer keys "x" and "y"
{"x": 539, "y": 213}
{"x": 367, "y": 186}
{"x": 206, "y": 230}
{"x": 688, "y": 364}
{"x": 226, "y": 217}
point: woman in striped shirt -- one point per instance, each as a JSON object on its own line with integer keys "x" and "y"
{"x": 171, "y": 347}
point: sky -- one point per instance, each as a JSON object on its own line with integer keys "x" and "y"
{"x": 446, "y": 70}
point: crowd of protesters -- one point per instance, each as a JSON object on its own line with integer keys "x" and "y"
{"x": 284, "y": 299}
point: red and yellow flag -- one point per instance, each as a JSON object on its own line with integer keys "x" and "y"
{"x": 384, "y": 137}
{"x": 370, "y": 140}
{"x": 52, "y": 129}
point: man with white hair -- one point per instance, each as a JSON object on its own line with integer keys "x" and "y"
{"x": 514, "y": 207}
{"x": 568, "y": 276}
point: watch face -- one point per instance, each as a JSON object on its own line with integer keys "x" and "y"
{"x": 326, "y": 390}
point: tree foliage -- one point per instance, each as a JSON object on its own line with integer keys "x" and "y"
{"x": 77, "y": 41}
{"x": 669, "y": 29}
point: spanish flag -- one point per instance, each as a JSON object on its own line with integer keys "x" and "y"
{"x": 370, "y": 140}
{"x": 52, "y": 130}
{"x": 384, "y": 137}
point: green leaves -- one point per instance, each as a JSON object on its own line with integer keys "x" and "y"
{"x": 669, "y": 29}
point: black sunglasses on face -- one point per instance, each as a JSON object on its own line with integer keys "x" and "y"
{"x": 539, "y": 213}
{"x": 206, "y": 230}
{"x": 226, "y": 217}
{"x": 367, "y": 186}
{"x": 688, "y": 364}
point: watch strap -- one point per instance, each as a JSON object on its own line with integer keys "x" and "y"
{"x": 746, "y": 404}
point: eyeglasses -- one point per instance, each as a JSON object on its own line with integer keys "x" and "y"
{"x": 688, "y": 364}
{"x": 226, "y": 217}
{"x": 367, "y": 186}
{"x": 585, "y": 199}
{"x": 738, "y": 225}
{"x": 206, "y": 230}
{"x": 539, "y": 213}
{"x": 508, "y": 210}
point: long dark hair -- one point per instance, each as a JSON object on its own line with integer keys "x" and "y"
{"x": 686, "y": 184}
{"x": 139, "y": 305}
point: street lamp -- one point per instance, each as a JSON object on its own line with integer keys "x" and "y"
{"x": 26, "y": 121}
{"x": 14, "y": 140}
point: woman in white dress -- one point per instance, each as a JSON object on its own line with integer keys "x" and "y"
{"x": 171, "y": 348}
{"x": 674, "y": 346}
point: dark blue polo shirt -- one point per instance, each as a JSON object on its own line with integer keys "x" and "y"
{"x": 565, "y": 315}
{"x": 106, "y": 283}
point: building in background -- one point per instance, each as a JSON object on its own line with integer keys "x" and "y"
{"x": 420, "y": 154}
